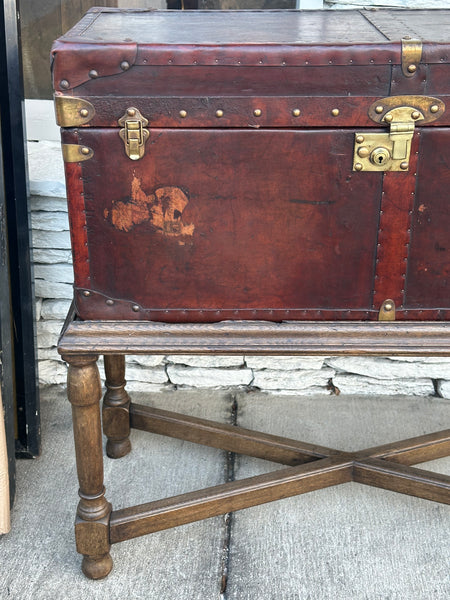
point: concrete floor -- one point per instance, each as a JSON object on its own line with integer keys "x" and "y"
{"x": 349, "y": 542}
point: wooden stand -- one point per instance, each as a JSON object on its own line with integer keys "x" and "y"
{"x": 309, "y": 467}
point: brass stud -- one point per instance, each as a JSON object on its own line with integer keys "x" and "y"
{"x": 415, "y": 115}
{"x": 219, "y": 113}
{"x": 135, "y": 308}
{"x": 124, "y": 65}
{"x": 404, "y": 166}
{"x": 84, "y": 112}
{"x": 358, "y": 167}
{"x": 360, "y": 139}
{"x": 335, "y": 112}
{"x": 183, "y": 114}
{"x": 257, "y": 112}
{"x": 131, "y": 112}
{"x": 93, "y": 74}
{"x": 296, "y": 112}
{"x": 379, "y": 109}
{"x": 64, "y": 84}
{"x": 85, "y": 150}
{"x": 388, "y": 306}
{"x": 434, "y": 108}
{"x": 363, "y": 152}
{"x": 110, "y": 302}
{"x": 388, "y": 118}
{"x": 412, "y": 68}
{"x": 86, "y": 293}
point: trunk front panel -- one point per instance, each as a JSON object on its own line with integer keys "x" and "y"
{"x": 230, "y": 220}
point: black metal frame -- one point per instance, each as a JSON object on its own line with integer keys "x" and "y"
{"x": 19, "y": 232}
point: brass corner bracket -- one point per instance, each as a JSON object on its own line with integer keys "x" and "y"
{"x": 411, "y": 55}
{"x": 387, "y": 311}
{"x": 76, "y": 153}
{"x": 73, "y": 112}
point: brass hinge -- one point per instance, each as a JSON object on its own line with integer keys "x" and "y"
{"x": 76, "y": 153}
{"x": 387, "y": 311}
{"x": 411, "y": 55}
{"x": 134, "y": 134}
{"x": 390, "y": 151}
{"x": 73, "y": 112}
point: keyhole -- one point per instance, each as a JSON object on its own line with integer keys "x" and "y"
{"x": 380, "y": 156}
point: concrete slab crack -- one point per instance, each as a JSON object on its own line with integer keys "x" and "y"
{"x": 228, "y": 517}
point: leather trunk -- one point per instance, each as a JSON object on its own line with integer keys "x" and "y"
{"x": 270, "y": 165}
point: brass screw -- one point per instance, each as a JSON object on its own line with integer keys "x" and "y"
{"x": 388, "y": 306}
{"x": 84, "y": 112}
{"x": 415, "y": 115}
{"x": 135, "y": 308}
{"x": 404, "y": 166}
{"x": 93, "y": 74}
{"x": 131, "y": 112}
{"x": 388, "y": 118}
{"x": 85, "y": 150}
{"x": 183, "y": 114}
{"x": 257, "y": 112}
{"x": 335, "y": 112}
{"x": 219, "y": 113}
{"x": 64, "y": 84}
{"x": 358, "y": 167}
{"x": 363, "y": 152}
{"x": 360, "y": 139}
{"x": 296, "y": 112}
{"x": 434, "y": 108}
{"x": 379, "y": 109}
{"x": 412, "y": 68}
{"x": 86, "y": 293}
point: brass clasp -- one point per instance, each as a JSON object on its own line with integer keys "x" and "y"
{"x": 134, "y": 133}
{"x": 390, "y": 151}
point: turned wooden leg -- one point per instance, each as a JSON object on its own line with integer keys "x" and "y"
{"x": 93, "y": 512}
{"x": 116, "y": 408}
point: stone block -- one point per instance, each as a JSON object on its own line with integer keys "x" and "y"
{"x": 48, "y": 354}
{"x": 46, "y": 169}
{"x": 45, "y": 289}
{"x": 352, "y": 384}
{"x": 284, "y": 363}
{"x": 48, "y": 204}
{"x": 155, "y": 375}
{"x": 206, "y": 361}
{"x": 57, "y": 273}
{"x": 51, "y": 256}
{"x": 384, "y": 368}
{"x": 50, "y": 221}
{"x": 208, "y": 378}
{"x": 47, "y": 333}
{"x": 292, "y": 380}
{"x": 145, "y": 361}
{"x": 56, "y": 239}
{"x": 443, "y": 388}
{"x": 51, "y": 372}
{"x": 38, "y": 308}
{"x": 55, "y": 309}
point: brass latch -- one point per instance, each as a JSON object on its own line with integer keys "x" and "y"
{"x": 390, "y": 151}
{"x": 134, "y": 133}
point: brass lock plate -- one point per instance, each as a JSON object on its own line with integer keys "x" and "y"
{"x": 374, "y": 152}
{"x": 390, "y": 151}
